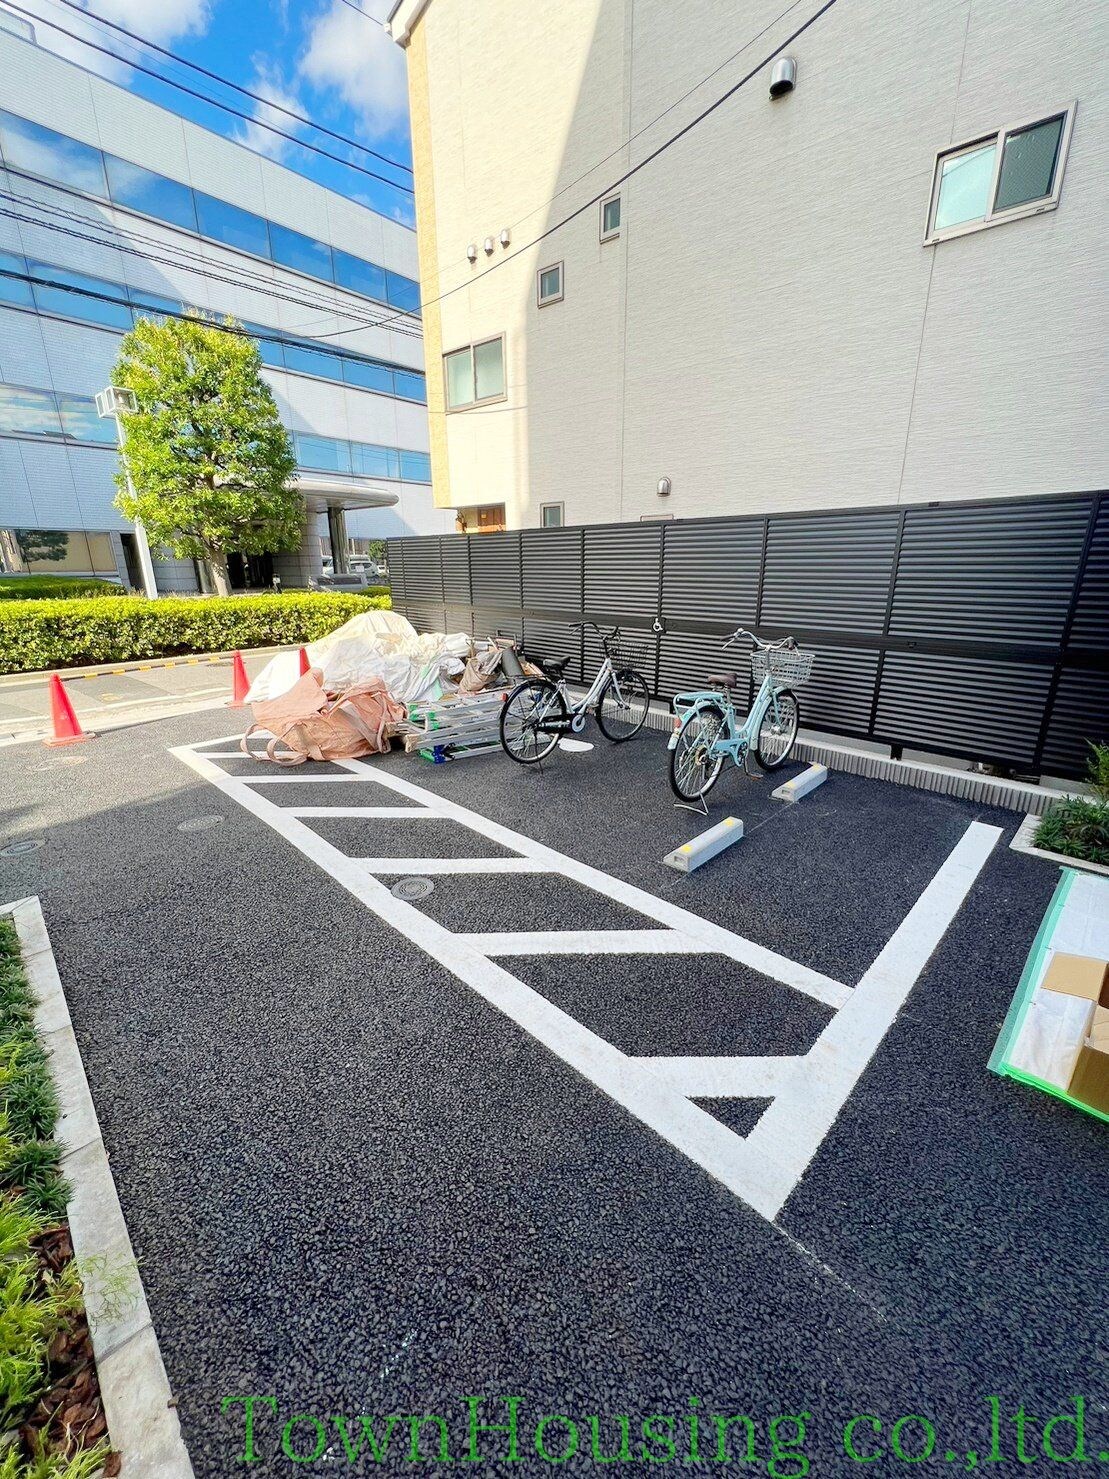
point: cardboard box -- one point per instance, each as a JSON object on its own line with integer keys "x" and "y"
{"x": 1078, "y": 975}
{"x": 1090, "y": 1081}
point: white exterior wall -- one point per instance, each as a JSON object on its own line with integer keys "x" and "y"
{"x": 768, "y": 330}
{"x": 52, "y": 486}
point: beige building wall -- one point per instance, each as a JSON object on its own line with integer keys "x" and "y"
{"x": 768, "y": 330}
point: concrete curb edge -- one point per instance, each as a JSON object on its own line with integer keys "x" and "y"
{"x": 142, "y": 1422}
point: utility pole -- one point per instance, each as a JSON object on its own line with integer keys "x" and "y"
{"x": 118, "y": 403}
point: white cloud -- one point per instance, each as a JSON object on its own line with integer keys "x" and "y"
{"x": 163, "y": 21}
{"x": 268, "y": 83}
{"x": 353, "y": 55}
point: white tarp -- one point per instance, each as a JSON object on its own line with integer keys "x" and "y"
{"x": 376, "y": 644}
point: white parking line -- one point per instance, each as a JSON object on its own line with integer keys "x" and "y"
{"x": 807, "y": 1090}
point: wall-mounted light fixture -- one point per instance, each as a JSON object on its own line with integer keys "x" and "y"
{"x": 471, "y": 252}
{"x": 664, "y": 487}
{"x": 488, "y": 245}
{"x": 505, "y": 237}
{"x": 783, "y": 79}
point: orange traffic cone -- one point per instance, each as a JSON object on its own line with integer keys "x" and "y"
{"x": 304, "y": 663}
{"x": 240, "y": 683}
{"x": 67, "y": 730}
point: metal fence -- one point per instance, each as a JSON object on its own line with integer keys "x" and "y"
{"x": 972, "y": 629}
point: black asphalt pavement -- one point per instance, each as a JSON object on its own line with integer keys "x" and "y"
{"x": 357, "y": 1189}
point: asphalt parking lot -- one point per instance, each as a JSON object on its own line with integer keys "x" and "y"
{"x": 357, "y": 1185}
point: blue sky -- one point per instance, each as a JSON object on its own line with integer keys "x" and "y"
{"x": 322, "y": 58}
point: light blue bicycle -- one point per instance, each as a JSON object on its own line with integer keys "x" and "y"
{"x": 707, "y": 728}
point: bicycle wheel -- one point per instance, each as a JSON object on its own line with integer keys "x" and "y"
{"x": 693, "y": 770}
{"x": 622, "y": 707}
{"x": 778, "y": 730}
{"x": 528, "y": 705}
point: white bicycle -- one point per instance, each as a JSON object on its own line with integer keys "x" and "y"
{"x": 539, "y": 711}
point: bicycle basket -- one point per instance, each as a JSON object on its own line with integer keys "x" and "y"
{"x": 789, "y": 667}
{"x": 627, "y": 652}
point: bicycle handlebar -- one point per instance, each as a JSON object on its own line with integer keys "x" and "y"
{"x": 787, "y": 642}
{"x": 605, "y": 640}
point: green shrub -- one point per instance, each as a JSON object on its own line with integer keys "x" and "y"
{"x": 58, "y": 634}
{"x": 54, "y": 587}
{"x": 1079, "y": 827}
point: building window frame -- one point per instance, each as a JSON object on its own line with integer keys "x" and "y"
{"x": 560, "y": 522}
{"x": 612, "y": 232}
{"x": 998, "y": 137}
{"x": 485, "y": 400}
{"x": 544, "y": 300}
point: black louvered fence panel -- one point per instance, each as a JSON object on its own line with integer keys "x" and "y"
{"x": 970, "y": 629}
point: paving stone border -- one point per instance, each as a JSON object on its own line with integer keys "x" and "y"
{"x": 1023, "y": 842}
{"x": 138, "y": 1403}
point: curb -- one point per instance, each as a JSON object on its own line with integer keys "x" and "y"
{"x": 967, "y": 785}
{"x": 1023, "y": 842}
{"x": 138, "y": 1403}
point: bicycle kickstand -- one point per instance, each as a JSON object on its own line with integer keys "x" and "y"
{"x": 700, "y": 809}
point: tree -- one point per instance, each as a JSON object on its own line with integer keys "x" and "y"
{"x": 209, "y": 458}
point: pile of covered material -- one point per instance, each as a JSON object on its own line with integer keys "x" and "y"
{"x": 375, "y": 645}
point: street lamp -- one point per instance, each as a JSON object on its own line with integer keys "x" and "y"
{"x": 118, "y": 403}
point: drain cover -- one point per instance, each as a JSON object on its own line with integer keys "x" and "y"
{"x": 412, "y": 888}
{"x": 199, "y": 824}
{"x": 20, "y": 849}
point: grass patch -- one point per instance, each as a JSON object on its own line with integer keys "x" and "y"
{"x": 1079, "y": 827}
{"x": 41, "y": 1301}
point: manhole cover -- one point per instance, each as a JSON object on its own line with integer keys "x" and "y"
{"x": 199, "y": 824}
{"x": 412, "y": 888}
{"x": 19, "y": 849}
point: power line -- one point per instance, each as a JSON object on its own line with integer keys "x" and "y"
{"x": 68, "y": 231}
{"x": 627, "y": 175}
{"x": 244, "y": 277}
{"x": 365, "y": 14}
{"x": 245, "y": 91}
{"x": 212, "y": 102}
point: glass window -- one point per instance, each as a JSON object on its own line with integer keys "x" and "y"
{"x": 1028, "y": 163}
{"x": 147, "y": 305}
{"x": 550, "y": 515}
{"x": 965, "y": 181}
{"x": 415, "y": 467}
{"x": 402, "y": 292}
{"x": 460, "y": 378}
{"x": 550, "y": 284}
{"x": 102, "y": 555}
{"x": 369, "y": 461}
{"x": 80, "y": 421}
{"x": 28, "y": 412}
{"x": 302, "y": 253}
{"x": 272, "y": 354}
{"x": 231, "y": 225}
{"x": 41, "y": 151}
{"x": 141, "y": 190}
{"x": 368, "y": 377}
{"x": 55, "y": 551}
{"x": 411, "y": 387}
{"x": 489, "y": 370}
{"x": 11, "y": 289}
{"x": 610, "y": 217}
{"x": 304, "y": 361}
{"x": 75, "y": 304}
{"x": 1016, "y": 172}
{"x": 323, "y": 453}
{"x": 359, "y": 276}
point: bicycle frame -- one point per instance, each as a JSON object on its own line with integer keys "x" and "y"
{"x": 736, "y": 738}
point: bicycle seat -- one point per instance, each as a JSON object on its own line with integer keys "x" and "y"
{"x": 724, "y": 680}
{"x": 554, "y": 667}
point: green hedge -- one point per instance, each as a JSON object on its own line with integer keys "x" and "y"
{"x": 58, "y": 634}
{"x": 53, "y": 587}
